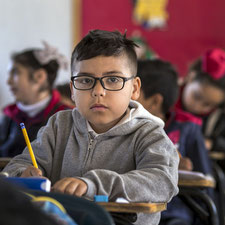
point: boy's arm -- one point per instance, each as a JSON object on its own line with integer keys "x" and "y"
{"x": 154, "y": 180}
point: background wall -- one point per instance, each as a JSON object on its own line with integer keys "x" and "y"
{"x": 192, "y": 26}
{"x": 24, "y": 24}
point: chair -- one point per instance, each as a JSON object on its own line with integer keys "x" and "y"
{"x": 216, "y": 157}
{"x": 220, "y": 187}
{"x": 193, "y": 193}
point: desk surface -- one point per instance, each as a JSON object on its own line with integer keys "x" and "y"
{"x": 197, "y": 183}
{"x": 217, "y": 155}
{"x": 133, "y": 207}
{"x": 195, "y": 179}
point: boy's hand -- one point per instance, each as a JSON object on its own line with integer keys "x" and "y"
{"x": 185, "y": 164}
{"x": 31, "y": 171}
{"x": 70, "y": 185}
{"x": 208, "y": 144}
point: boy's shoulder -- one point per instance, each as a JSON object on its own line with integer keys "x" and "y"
{"x": 63, "y": 114}
{"x": 139, "y": 112}
{"x": 68, "y": 118}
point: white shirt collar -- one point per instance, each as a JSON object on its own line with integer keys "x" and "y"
{"x": 34, "y": 109}
{"x": 127, "y": 117}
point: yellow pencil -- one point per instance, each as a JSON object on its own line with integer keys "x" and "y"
{"x": 28, "y": 145}
{"x": 180, "y": 156}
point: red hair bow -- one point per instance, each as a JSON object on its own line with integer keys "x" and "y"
{"x": 213, "y": 63}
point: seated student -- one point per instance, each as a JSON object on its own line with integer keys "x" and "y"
{"x": 158, "y": 95}
{"x": 31, "y": 77}
{"x": 109, "y": 144}
{"x": 203, "y": 93}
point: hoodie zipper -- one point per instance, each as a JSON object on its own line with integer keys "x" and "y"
{"x": 89, "y": 149}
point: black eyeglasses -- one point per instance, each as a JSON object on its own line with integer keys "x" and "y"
{"x": 111, "y": 83}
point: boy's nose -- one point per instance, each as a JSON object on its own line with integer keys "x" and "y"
{"x": 9, "y": 80}
{"x": 98, "y": 90}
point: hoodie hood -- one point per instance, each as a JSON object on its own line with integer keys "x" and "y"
{"x": 138, "y": 117}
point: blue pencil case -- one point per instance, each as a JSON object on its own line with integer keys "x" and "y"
{"x": 34, "y": 183}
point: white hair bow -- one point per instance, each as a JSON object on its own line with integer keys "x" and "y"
{"x": 49, "y": 53}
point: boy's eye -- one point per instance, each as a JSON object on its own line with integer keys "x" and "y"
{"x": 197, "y": 96}
{"x": 14, "y": 72}
{"x": 84, "y": 80}
{"x": 113, "y": 79}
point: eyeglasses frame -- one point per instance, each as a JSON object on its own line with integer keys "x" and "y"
{"x": 125, "y": 79}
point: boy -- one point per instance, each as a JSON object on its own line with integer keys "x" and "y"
{"x": 109, "y": 144}
{"x": 158, "y": 95}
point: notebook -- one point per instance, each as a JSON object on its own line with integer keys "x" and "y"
{"x": 34, "y": 183}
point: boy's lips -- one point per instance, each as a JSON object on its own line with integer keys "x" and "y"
{"x": 98, "y": 107}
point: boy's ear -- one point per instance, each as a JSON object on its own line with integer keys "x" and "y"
{"x": 157, "y": 101}
{"x": 72, "y": 92}
{"x": 40, "y": 76}
{"x": 136, "y": 88}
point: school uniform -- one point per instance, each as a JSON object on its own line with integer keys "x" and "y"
{"x": 135, "y": 159}
{"x": 213, "y": 127}
{"x": 185, "y": 133}
{"x": 12, "y": 141}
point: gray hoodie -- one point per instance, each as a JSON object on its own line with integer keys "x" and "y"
{"x": 134, "y": 160}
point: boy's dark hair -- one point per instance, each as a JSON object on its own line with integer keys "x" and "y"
{"x": 159, "y": 77}
{"x": 27, "y": 59}
{"x": 105, "y": 43}
{"x": 203, "y": 77}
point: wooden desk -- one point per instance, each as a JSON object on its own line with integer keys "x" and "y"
{"x": 217, "y": 155}
{"x": 197, "y": 183}
{"x": 195, "y": 179}
{"x": 4, "y": 161}
{"x": 191, "y": 191}
{"x": 133, "y": 207}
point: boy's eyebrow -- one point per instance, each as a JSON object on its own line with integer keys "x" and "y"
{"x": 91, "y": 74}
{"x": 112, "y": 72}
{"x": 83, "y": 73}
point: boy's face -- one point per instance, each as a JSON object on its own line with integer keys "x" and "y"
{"x": 103, "y": 108}
{"x": 201, "y": 98}
{"x": 22, "y": 87}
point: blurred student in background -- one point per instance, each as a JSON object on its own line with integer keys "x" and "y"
{"x": 64, "y": 90}
{"x": 32, "y": 73}
{"x": 159, "y": 92}
{"x": 203, "y": 95}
